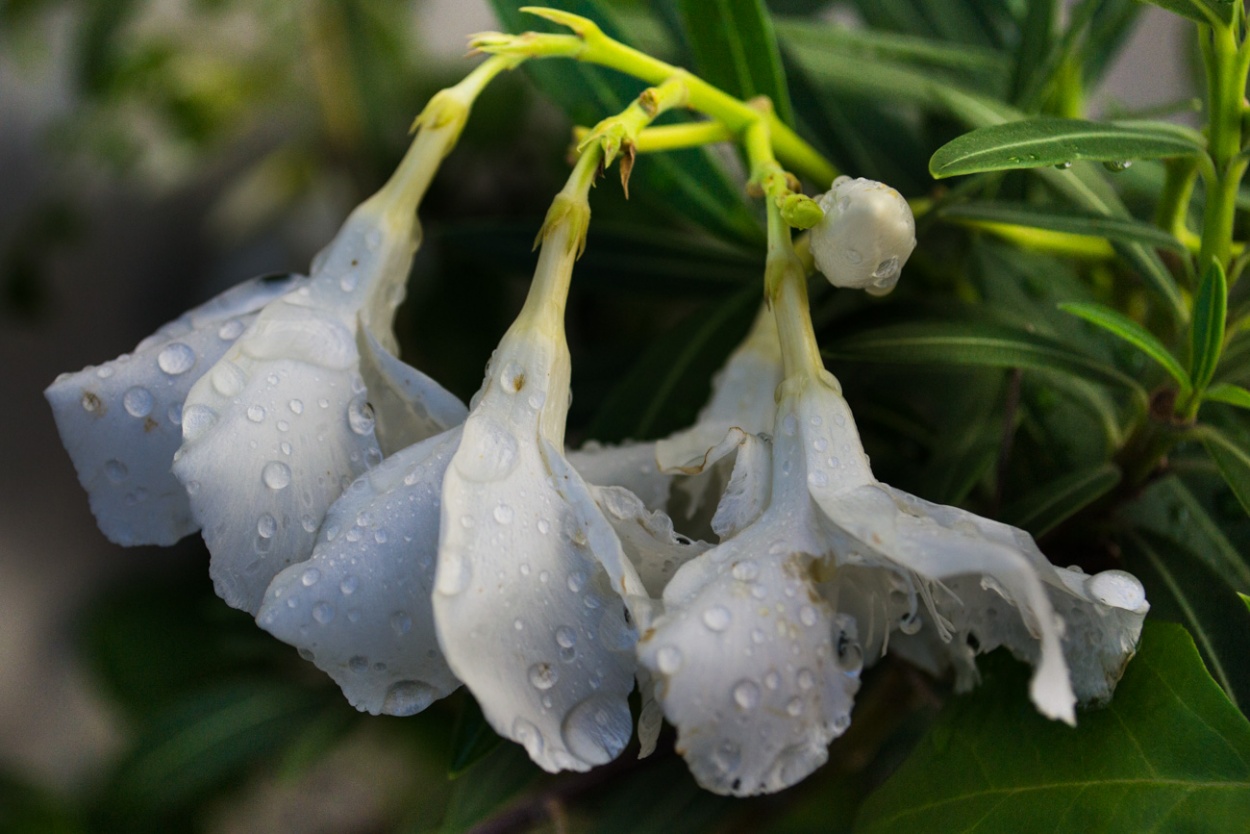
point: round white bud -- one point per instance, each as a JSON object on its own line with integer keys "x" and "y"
{"x": 865, "y": 237}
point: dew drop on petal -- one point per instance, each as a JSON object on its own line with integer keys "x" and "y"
{"x": 296, "y": 406}
{"x": 276, "y": 475}
{"x": 349, "y": 585}
{"x": 597, "y": 729}
{"x": 115, "y": 471}
{"x": 577, "y": 581}
{"x": 231, "y": 330}
{"x": 256, "y": 413}
{"x": 196, "y": 420}
{"x": 772, "y": 680}
{"x": 175, "y": 358}
{"x": 543, "y": 526}
{"x": 138, "y": 402}
{"x": 745, "y": 571}
{"x": 401, "y": 623}
{"x": 266, "y": 526}
{"x": 669, "y": 660}
{"x": 90, "y": 402}
{"x": 543, "y": 676}
{"x": 228, "y": 378}
{"x": 503, "y": 514}
{"x": 492, "y": 455}
{"x": 358, "y": 664}
{"x": 323, "y": 612}
{"x": 726, "y": 757}
{"x": 527, "y": 735}
{"x": 746, "y": 695}
{"x": 806, "y": 679}
{"x": 795, "y": 707}
{"x": 360, "y": 415}
{"x": 566, "y": 637}
{"x": 310, "y": 577}
{"x": 408, "y": 698}
{"x": 807, "y": 615}
{"x": 717, "y": 618}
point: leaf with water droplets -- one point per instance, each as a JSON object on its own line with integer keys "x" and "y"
{"x": 1170, "y": 753}
{"x": 1048, "y": 141}
{"x": 121, "y": 422}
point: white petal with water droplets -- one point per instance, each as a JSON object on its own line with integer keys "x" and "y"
{"x": 408, "y": 405}
{"x": 360, "y": 607}
{"x": 527, "y": 615}
{"x": 647, "y": 538}
{"x": 866, "y": 235}
{"x": 747, "y": 661}
{"x": 630, "y": 465}
{"x": 121, "y": 421}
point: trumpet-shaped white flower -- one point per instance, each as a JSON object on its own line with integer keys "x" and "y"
{"x": 121, "y": 422}
{"x": 866, "y": 235}
{"x": 758, "y": 651}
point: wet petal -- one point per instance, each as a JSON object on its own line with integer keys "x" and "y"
{"x": 629, "y": 465}
{"x": 749, "y": 490}
{"x": 527, "y": 615}
{"x": 360, "y": 607}
{"x": 647, "y": 538}
{"x": 275, "y": 430}
{"x": 866, "y": 235}
{"x": 748, "y": 664}
{"x": 408, "y": 405}
{"x": 121, "y": 421}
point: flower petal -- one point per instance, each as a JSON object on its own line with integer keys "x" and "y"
{"x": 360, "y": 607}
{"x": 271, "y": 436}
{"x": 630, "y": 465}
{"x": 647, "y": 538}
{"x": 408, "y": 405}
{"x": 527, "y": 615}
{"x": 746, "y": 655}
{"x": 120, "y": 422}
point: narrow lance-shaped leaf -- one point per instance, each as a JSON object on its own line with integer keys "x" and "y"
{"x": 1207, "y": 333}
{"x": 1032, "y": 143}
{"x": 1209, "y": 12}
{"x": 1071, "y": 221}
{"x": 1232, "y": 459}
{"x": 976, "y": 343}
{"x": 1130, "y": 331}
{"x": 1046, "y": 507}
{"x": 735, "y": 48}
{"x": 1170, "y": 753}
{"x": 1228, "y": 393}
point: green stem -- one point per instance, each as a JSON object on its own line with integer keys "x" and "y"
{"x": 1227, "y": 61}
{"x": 1178, "y": 188}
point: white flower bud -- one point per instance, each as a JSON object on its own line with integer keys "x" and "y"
{"x": 866, "y": 236}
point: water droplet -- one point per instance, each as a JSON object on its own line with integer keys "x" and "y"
{"x": 408, "y": 698}
{"x": 196, "y": 420}
{"x": 401, "y": 623}
{"x": 806, "y": 679}
{"x": 543, "y": 676}
{"x": 284, "y": 447}
{"x": 566, "y": 637}
{"x": 1116, "y": 166}
{"x": 795, "y": 707}
{"x": 853, "y": 256}
{"x": 138, "y": 402}
{"x": 348, "y": 282}
{"x": 577, "y": 581}
{"x": 358, "y": 664}
{"x": 1063, "y": 166}
{"x": 772, "y": 680}
{"x": 104, "y": 371}
{"x": 820, "y": 444}
{"x": 512, "y": 377}
{"x": 597, "y": 729}
{"x": 543, "y": 526}
{"x": 296, "y": 406}
{"x": 323, "y": 612}
{"x": 255, "y": 413}
{"x": 266, "y": 526}
{"x": 910, "y": 623}
{"x": 887, "y": 268}
{"x": 818, "y": 479}
{"x": 115, "y": 471}
{"x": 668, "y": 659}
{"x": 231, "y": 330}
{"x": 91, "y": 403}
{"x": 175, "y": 358}
{"x": 228, "y": 378}
{"x": 807, "y": 616}
{"x": 745, "y": 571}
{"x": 1117, "y": 589}
{"x": 175, "y": 414}
{"x": 717, "y": 618}
{"x": 276, "y": 475}
{"x": 746, "y": 695}
{"x": 349, "y": 585}
{"x": 360, "y": 415}
{"x": 789, "y": 425}
{"x": 527, "y": 735}
{"x": 726, "y": 757}
{"x": 503, "y": 514}
{"x": 310, "y": 577}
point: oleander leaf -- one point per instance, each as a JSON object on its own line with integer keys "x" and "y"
{"x": 1050, "y": 504}
{"x": 1207, "y": 333}
{"x": 1232, "y": 459}
{"x": 1130, "y": 331}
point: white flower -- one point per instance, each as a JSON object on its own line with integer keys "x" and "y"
{"x": 288, "y": 417}
{"x": 758, "y": 651}
{"x": 121, "y": 422}
{"x": 865, "y": 236}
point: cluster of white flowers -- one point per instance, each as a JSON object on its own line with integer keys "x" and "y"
{"x": 407, "y": 544}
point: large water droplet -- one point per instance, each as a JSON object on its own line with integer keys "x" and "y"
{"x": 1116, "y": 588}
{"x": 310, "y": 577}
{"x": 360, "y": 415}
{"x": 138, "y": 402}
{"x": 276, "y": 475}
{"x": 717, "y": 618}
{"x": 256, "y": 413}
{"x": 669, "y": 659}
{"x": 266, "y": 526}
{"x": 408, "y": 698}
{"x": 543, "y": 676}
{"x": 597, "y": 729}
{"x": 175, "y": 358}
{"x": 746, "y": 695}
{"x": 296, "y": 406}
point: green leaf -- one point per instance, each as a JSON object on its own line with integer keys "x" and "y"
{"x": 688, "y": 184}
{"x": 1130, "y": 331}
{"x": 1226, "y": 392}
{"x": 1207, "y": 334}
{"x": 472, "y": 738}
{"x": 975, "y": 343}
{"x": 735, "y": 48}
{"x": 1170, "y": 753}
{"x": 1210, "y": 12}
{"x": 1245, "y": 599}
{"x": 1043, "y": 509}
{"x": 1059, "y": 219}
{"x": 486, "y": 786}
{"x": 1231, "y": 458}
{"x": 670, "y": 382}
{"x": 1184, "y": 590}
{"x": 1032, "y": 143}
